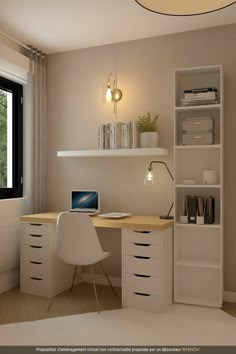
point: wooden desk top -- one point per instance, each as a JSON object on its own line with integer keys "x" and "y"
{"x": 131, "y": 222}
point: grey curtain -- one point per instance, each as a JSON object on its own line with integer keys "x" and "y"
{"x": 39, "y": 143}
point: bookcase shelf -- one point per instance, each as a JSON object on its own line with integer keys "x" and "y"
{"x": 198, "y": 249}
{"x": 114, "y": 153}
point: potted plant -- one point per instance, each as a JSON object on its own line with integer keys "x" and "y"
{"x": 147, "y": 126}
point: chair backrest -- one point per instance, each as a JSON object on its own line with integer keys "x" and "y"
{"x": 77, "y": 240}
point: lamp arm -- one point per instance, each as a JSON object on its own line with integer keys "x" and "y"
{"x": 150, "y": 166}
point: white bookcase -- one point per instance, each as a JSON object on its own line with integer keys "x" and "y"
{"x": 198, "y": 249}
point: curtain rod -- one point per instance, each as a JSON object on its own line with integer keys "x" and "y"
{"x": 21, "y": 44}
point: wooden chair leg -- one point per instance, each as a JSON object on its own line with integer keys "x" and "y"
{"x": 108, "y": 279}
{"x": 95, "y": 290}
{"x": 73, "y": 280}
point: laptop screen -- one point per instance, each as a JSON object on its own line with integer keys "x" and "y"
{"x": 85, "y": 200}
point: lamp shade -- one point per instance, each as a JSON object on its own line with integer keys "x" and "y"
{"x": 184, "y": 7}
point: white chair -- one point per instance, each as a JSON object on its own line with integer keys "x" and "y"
{"x": 77, "y": 243}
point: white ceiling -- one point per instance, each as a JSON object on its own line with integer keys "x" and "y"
{"x": 62, "y": 25}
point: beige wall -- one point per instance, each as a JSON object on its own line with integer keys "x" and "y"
{"x": 145, "y": 75}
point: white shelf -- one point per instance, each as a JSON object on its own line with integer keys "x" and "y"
{"x": 197, "y": 186}
{"x": 203, "y": 107}
{"x": 185, "y": 147}
{"x": 113, "y": 153}
{"x": 196, "y": 263}
{"x": 210, "y": 226}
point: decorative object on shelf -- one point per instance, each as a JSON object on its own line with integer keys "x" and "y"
{"x": 113, "y": 94}
{"x": 198, "y": 131}
{"x": 149, "y": 178}
{"x": 199, "y": 96}
{"x": 147, "y": 126}
{"x": 120, "y": 135}
{"x": 184, "y": 7}
{"x": 209, "y": 177}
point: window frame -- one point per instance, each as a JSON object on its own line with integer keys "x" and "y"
{"x": 17, "y": 139}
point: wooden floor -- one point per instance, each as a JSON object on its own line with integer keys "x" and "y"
{"x": 17, "y": 307}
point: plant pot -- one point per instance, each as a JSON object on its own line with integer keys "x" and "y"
{"x": 148, "y": 140}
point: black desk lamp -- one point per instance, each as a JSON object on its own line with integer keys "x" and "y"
{"x": 149, "y": 180}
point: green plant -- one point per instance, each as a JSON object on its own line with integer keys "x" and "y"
{"x": 147, "y": 123}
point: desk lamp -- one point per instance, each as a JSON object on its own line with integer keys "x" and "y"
{"x": 149, "y": 180}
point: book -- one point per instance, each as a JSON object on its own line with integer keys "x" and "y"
{"x": 115, "y": 135}
{"x": 125, "y": 138}
{"x": 107, "y": 136}
{"x": 202, "y": 89}
{"x": 133, "y": 134}
{"x": 101, "y": 137}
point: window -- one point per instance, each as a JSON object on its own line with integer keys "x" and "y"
{"x": 11, "y": 139}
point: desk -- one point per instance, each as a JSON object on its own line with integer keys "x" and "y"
{"x": 146, "y": 258}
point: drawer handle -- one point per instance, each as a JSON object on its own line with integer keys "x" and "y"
{"x": 36, "y": 246}
{"x": 142, "y": 232}
{"x": 33, "y": 262}
{"x": 197, "y": 123}
{"x": 142, "y": 294}
{"x": 142, "y": 244}
{"x": 33, "y": 224}
{"x": 36, "y": 278}
{"x": 142, "y": 276}
{"x": 142, "y": 257}
{"x": 33, "y": 235}
{"x": 198, "y": 137}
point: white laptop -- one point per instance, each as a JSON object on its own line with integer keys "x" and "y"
{"x": 85, "y": 201}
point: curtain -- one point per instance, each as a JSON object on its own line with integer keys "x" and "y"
{"x": 38, "y": 111}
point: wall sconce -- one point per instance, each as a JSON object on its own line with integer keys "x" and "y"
{"x": 113, "y": 94}
{"x": 149, "y": 179}
{"x": 184, "y": 7}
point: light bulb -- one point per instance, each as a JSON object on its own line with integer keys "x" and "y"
{"x": 108, "y": 93}
{"x": 149, "y": 176}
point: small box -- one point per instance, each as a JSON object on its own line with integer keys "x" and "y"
{"x": 200, "y": 138}
{"x": 201, "y": 124}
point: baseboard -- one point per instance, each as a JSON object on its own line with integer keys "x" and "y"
{"x": 102, "y": 281}
{"x": 9, "y": 280}
{"x": 230, "y": 296}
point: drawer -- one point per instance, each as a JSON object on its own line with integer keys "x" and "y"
{"x": 35, "y": 269}
{"x": 143, "y": 301}
{"x": 34, "y": 239}
{"x": 35, "y": 229}
{"x": 151, "y": 237}
{"x": 143, "y": 266}
{"x": 143, "y": 284}
{"x": 35, "y": 286}
{"x": 35, "y": 253}
{"x": 197, "y": 138}
{"x": 197, "y": 124}
{"x": 142, "y": 249}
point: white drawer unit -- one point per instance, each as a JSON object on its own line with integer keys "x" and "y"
{"x": 41, "y": 269}
{"x": 147, "y": 269}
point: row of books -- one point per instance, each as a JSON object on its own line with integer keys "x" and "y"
{"x": 199, "y": 96}
{"x": 118, "y": 135}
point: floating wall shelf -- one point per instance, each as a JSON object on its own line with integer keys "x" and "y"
{"x": 113, "y": 153}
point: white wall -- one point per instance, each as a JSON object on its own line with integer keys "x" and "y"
{"x": 145, "y": 75}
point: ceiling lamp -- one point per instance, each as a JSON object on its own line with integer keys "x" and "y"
{"x": 184, "y": 7}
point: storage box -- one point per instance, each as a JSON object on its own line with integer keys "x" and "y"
{"x": 201, "y": 124}
{"x": 200, "y": 138}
